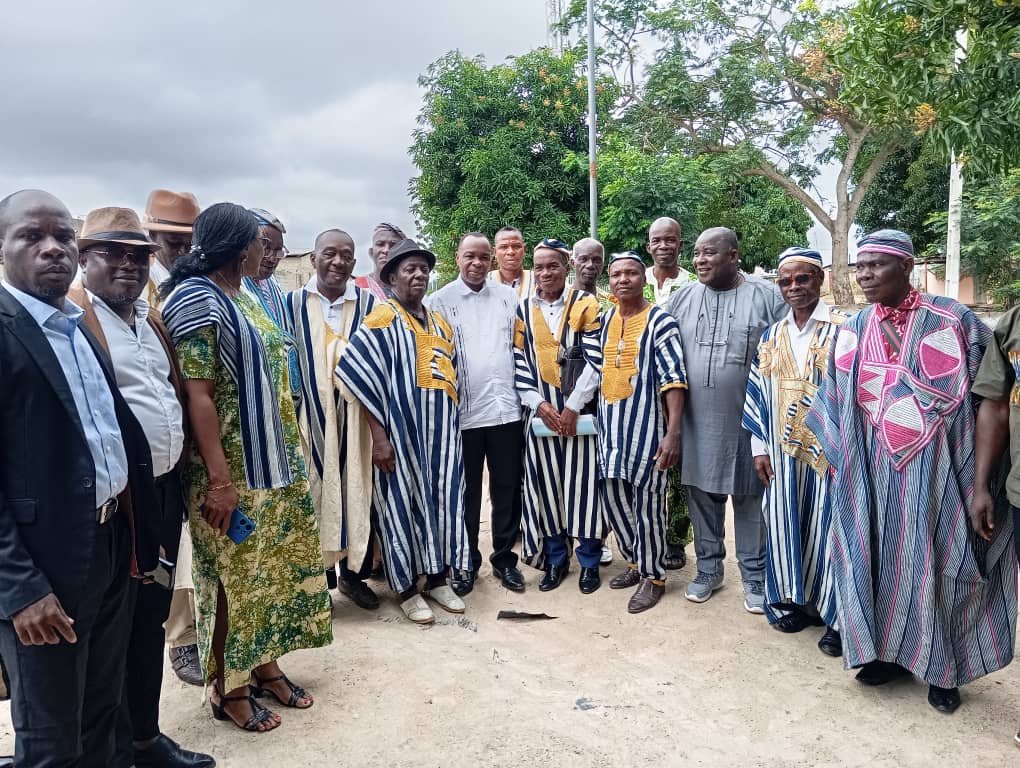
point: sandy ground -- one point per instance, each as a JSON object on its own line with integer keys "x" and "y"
{"x": 682, "y": 685}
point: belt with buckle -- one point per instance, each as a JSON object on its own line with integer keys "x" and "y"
{"x": 106, "y": 512}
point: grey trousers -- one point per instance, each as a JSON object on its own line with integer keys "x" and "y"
{"x": 708, "y": 517}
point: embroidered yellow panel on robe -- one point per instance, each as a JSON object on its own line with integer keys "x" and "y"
{"x": 795, "y": 395}
{"x": 584, "y": 317}
{"x": 619, "y": 356}
{"x": 434, "y": 366}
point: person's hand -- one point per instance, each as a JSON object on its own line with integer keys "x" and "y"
{"x": 44, "y": 623}
{"x": 668, "y": 453}
{"x": 763, "y": 466}
{"x": 982, "y": 513}
{"x": 568, "y": 422}
{"x": 383, "y": 456}
{"x": 549, "y": 416}
{"x": 219, "y": 506}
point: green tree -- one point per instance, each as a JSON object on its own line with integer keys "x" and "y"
{"x": 494, "y": 148}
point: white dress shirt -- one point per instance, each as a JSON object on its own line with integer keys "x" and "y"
{"x": 800, "y": 343}
{"x": 142, "y": 368}
{"x": 587, "y": 383}
{"x": 89, "y": 388}
{"x": 332, "y": 311}
{"x": 483, "y": 331}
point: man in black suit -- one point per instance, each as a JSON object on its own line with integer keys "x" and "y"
{"x": 74, "y": 464}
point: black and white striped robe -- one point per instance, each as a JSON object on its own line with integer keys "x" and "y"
{"x": 404, "y": 374}
{"x": 560, "y": 473}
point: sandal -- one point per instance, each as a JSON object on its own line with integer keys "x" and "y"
{"x": 296, "y": 691}
{"x": 259, "y": 714}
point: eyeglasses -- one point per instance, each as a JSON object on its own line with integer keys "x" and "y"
{"x": 267, "y": 246}
{"x": 801, "y": 279}
{"x": 117, "y": 256}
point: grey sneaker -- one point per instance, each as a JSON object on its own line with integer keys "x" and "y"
{"x": 702, "y": 587}
{"x": 754, "y": 597}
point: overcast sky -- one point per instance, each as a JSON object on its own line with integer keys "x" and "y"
{"x": 304, "y": 108}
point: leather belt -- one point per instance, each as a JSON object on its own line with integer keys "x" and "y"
{"x": 107, "y": 512}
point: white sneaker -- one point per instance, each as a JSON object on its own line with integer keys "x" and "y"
{"x": 446, "y": 598}
{"x": 607, "y": 555}
{"x": 700, "y": 589}
{"x": 417, "y": 610}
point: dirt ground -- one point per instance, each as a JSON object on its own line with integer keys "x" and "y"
{"x": 682, "y": 685}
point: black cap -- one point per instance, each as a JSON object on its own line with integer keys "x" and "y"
{"x": 403, "y": 250}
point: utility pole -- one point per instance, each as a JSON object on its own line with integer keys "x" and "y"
{"x": 955, "y": 200}
{"x": 593, "y": 184}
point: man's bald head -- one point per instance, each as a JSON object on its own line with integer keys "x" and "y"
{"x": 664, "y": 243}
{"x": 331, "y": 234}
{"x": 589, "y": 257}
{"x": 722, "y": 236}
{"x": 717, "y": 258}
{"x": 37, "y": 244}
{"x": 14, "y": 204}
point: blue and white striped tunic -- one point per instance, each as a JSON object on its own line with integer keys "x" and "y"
{"x": 404, "y": 373}
{"x": 560, "y": 473}
{"x": 779, "y": 395}
{"x": 642, "y": 358}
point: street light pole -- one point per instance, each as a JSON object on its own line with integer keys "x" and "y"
{"x": 593, "y": 187}
{"x": 953, "y": 223}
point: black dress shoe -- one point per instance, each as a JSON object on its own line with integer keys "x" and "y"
{"x": 166, "y": 753}
{"x": 510, "y": 577}
{"x": 944, "y": 699}
{"x": 462, "y": 583}
{"x": 797, "y": 621}
{"x": 589, "y": 580}
{"x": 831, "y": 643}
{"x": 331, "y": 578}
{"x": 554, "y": 575}
{"x": 360, "y": 593}
{"x": 880, "y": 672}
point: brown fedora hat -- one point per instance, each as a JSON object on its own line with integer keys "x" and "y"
{"x": 114, "y": 225}
{"x": 168, "y": 211}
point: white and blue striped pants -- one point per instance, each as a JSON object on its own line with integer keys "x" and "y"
{"x": 637, "y": 515}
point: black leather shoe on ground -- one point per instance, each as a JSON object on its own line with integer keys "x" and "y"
{"x": 511, "y": 577}
{"x": 831, "y": 643}
{"x": 554, "y": 575}
{"x": 462, "y": 583}
{"x": 797, "y": 622}
{"x": 186, "y": 664}
{"x": 360, "y": 593}
{"x": 945, "y": 700}
{"x": 880, "y": 672}
{"x": 166, "y": 753}
{"x": 589, "y": 580}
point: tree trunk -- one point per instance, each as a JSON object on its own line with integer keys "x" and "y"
{"x": 839, "y": 277}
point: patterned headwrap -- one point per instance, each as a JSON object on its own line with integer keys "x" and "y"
{"x": 552, "y": 244}
{"x": 801, "y": 256}
{"x": 890, "y": 241}
{"x": 393, "y": 229}
{"x": 626, "y": 255}
{"x": 266, "y": 219}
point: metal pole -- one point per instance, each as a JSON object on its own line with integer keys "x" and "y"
{"x": 593, "y": 186}
{"x": 955, "y": 201}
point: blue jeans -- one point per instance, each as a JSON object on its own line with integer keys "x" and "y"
{"x": 588, "y": 551}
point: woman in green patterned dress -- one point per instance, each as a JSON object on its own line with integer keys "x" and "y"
{"x": 265, "y": 596}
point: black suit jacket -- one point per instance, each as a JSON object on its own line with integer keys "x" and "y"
{"x": 47, "y": 476}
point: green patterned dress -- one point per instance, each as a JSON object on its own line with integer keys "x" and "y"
{"x": 276, "y": 590}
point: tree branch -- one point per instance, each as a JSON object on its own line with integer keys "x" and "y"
{"x": 869, "y": 176}
{"x": 793, "y": 190}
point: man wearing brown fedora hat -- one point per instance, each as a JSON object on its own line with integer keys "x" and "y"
{"x": 169, "y": 218}
{"x": 114, "y": 256}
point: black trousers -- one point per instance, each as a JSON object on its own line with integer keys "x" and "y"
{"x": 364, "y": 568}
{"x": 65, "y": 698}
{"x": 150, "y": 607}
{"x": 502, "y": 448}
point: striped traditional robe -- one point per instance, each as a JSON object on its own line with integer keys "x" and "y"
{"x": 340, "y": 497}
{"x": 525, "y": 284}
{"x": 404, "y": 374}
{"x": 560, "y": 473}
{"x": 642, "y": 358}
{"x": 270, "y": 295}
{"x": 779, "y": 395}
{"x": 914, "y": 585}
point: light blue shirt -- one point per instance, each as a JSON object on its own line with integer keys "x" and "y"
{"x": 88, "y": 386}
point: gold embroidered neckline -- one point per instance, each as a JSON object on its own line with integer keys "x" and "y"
{"x": 620, "y": 353}
{"x": 434, "y": 353}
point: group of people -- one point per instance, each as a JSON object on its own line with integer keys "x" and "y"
{"x": 229, "y": 452}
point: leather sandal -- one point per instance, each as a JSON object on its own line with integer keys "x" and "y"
{"x": 297, "y": 693}
{"x": 259, "y": 714}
